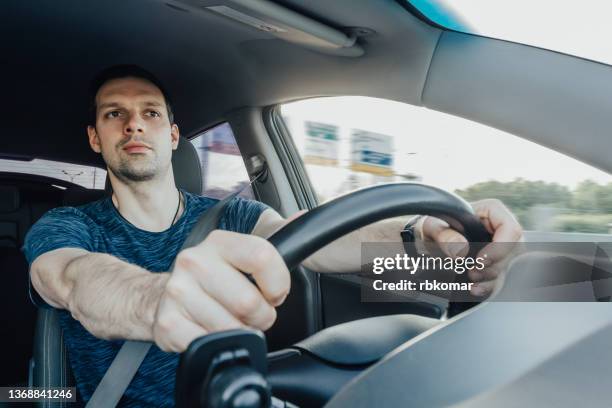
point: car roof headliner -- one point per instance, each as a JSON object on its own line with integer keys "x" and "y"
{"x": 211, "y": 65}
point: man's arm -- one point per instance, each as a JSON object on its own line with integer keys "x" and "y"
{"x": 344, "y": 254}
{"x": 111, "y": 298}
{"x": 206, "y": 291}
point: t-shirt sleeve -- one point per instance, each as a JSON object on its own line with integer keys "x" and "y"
{"x": 64, "y": 227}
{"x": 241, "y": 214}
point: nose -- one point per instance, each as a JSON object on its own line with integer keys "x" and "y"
{"x": 134, "y": 125}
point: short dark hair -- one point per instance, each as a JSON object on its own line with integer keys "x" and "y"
{"x": 125, "y": 71}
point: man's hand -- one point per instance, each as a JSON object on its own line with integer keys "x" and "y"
{"x": 207, "y": 291}
{"x": 498, "y": 220}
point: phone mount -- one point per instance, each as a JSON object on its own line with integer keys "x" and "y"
{"x": 224, "y": 370}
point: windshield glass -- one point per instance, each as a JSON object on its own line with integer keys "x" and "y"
{"x": 581, "y": 29}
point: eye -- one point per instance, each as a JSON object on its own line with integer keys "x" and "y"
{"x": 112, "y": 114}
{"x": 153, "y": 114}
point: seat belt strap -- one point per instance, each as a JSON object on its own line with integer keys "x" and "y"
{"x": 119, "y": 374}
{"x": 122, "y": 370}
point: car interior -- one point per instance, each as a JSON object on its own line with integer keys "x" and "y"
{"x": 236, "y": 62}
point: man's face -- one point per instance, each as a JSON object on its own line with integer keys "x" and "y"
{"x": 132, "y": 130}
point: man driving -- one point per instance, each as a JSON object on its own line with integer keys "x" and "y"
{"x": 106, "y": 264}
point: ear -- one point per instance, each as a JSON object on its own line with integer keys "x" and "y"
{"x": 94, "y": 140}
{"x": 174, "y": 135}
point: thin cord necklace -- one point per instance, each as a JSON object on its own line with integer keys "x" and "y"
{"x": 178, "y": 207}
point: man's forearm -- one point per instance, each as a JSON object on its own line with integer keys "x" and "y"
{"x": 344, "y": 254}
{"x": 111, "y": 298}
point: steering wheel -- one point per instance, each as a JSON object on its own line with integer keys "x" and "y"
{"x": 327, "y": 222}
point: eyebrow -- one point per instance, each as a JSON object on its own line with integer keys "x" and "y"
{"x": 153, "y": 103}
{"x": 108, "y": 105}
{"x": 117, "y": 105}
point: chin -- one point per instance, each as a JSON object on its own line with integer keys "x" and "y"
{"x": 133, "y": 173}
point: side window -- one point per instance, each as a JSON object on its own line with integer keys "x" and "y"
{"x": 223, "y": 170}
{"x": 352, "y": 142}
{"x": 85, "y": 176}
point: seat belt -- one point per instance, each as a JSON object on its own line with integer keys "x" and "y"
{"x": 132, "y": 353}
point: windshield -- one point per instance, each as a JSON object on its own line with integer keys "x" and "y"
{"x": 581, "y": 29}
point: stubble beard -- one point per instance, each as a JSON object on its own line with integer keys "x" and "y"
{"x": 136, "y": 169}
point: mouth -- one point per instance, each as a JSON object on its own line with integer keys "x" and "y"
{"x": 136, "y": 148}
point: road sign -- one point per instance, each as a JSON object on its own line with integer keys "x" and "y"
{"x": 321, "y": 145}
{"x": 371, "y": 152}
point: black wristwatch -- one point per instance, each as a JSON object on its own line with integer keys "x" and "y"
{"x": 409, "y": 236}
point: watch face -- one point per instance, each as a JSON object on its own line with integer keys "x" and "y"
{"x": 408, "y": 234}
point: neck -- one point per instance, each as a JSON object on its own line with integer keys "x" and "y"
{"x": 148, "y": 205}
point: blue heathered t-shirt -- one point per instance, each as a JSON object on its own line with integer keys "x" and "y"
{"x": 98, "y": 227}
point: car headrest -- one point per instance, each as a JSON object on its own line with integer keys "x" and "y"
{"x": 9, "y": 199}
{"x": 186, "y": 167}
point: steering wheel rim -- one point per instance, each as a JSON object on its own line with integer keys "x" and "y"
{"x": 320, "y": 226}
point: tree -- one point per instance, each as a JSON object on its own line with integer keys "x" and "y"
{"x": 586, "y": 209}
{"x": 592, "y": 197}
{"x": 520, "y": 194}
{"x": 585, "y": 196}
